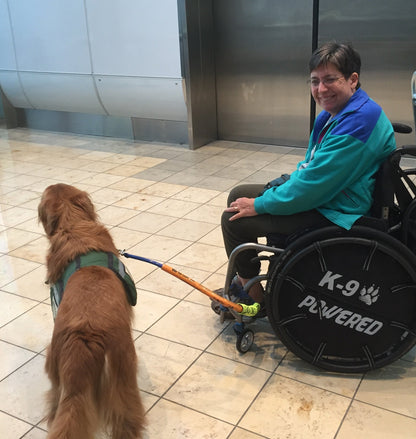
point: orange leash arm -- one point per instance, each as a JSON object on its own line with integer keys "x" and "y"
{"x": 227, "y": 303}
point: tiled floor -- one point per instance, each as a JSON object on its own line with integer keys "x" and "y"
{"x": 164, "y": 202}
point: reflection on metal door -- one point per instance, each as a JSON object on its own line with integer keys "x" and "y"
{"x": 262, "y": 50}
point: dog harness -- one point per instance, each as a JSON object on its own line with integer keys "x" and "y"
{"x": 93, "y": 258}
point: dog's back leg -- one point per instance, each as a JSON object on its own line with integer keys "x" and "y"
{"x": 81, "y": 363}
{"x": 125, "y": 412}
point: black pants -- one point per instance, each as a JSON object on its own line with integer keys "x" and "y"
{"x": 248, "y": 229}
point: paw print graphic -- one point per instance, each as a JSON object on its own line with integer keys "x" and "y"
{"x": 369, "y": 295}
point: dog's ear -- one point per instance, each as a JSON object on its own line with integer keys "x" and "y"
{"x": 82, "y": 202}
{"x": 48, "y": 216}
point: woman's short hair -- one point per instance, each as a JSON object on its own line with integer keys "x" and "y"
{"x": 342, "y": 55}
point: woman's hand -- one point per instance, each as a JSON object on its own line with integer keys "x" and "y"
{"x": 242, "y": 207}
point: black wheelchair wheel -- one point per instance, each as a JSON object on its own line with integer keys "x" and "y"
{"x": 344, "y": 301}
{"x": 244, "y": 341}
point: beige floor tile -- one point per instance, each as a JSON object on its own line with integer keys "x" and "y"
{"x": 218, "y": 387}
{"x": 138, "y": 269}
{"x": 53, "y": 172}
{"x": 13, "y": 306}
{"x": 156, "y": 376}
{"x": 12, "y": 268}
{"x": 22, "y": 394}
{"x": 160, "y": 248}
{"x": 113, "y": 215}
{"x": 103, "y": 179}
{"x": 19, "y": 197}
{"x": 187, "y": 229}
{"x": 12, "y": 238}
{"x": 98, "y": 155}
{"x": 99, "y": 167}
{"x": 42, "y": 183}
{"x": 125, "y": 170}
{"x": 213, "y": 238}
{"x": 32, "y": 225}
{"x": 168, "y": 284}
{"x": 367, "y": 422}
{"x": 288, "y": 408}
{"x": 188, "y": 323}
{"x": 12, "y": 357}
{"x": 184, "y": 177}
{"x": 392, "y": 388}
{"x": 125, "y": 238}
{"x": 197, "y": 195}
{"x": 32, "y": 330}
{"x": 150, "y": 308}
{"x": 35, "y": 433}
{"x": 119, "y": 159}
{"x": 132, "y": 185}
{"x": 109, "y": 196}
{"x": 175, "y": 208}
{"x": 265, "y": 353}
{"x": 212, "y": 282}
{"x": 148, "y": 400}
{"x": 411, "y": 355}
{"x": 201, "y": 256}
{"x": 11, "y": 427}
{"x": 139, "y": 201}
{"x": 164, "y": 283}
{"x": 144, "y": 193}
{"x": 218, "y": 183}
{"x": 147, "y": 162}
{"x": 31, "y": 285}
{"x": 207, "y": 213}
{"x": 165, "y": 190}
{"x": 220, "y": 200}
{"x": 297, "y": 369}
{"x": 33, "y": 251}
{"x": 239, "y": 433}
{"x": 16, "y": 215}
{"x": 172, "y": 421}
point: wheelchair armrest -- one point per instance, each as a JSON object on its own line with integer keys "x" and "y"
{"x": 401, "y": 128}
{"x": 406, "y": 149}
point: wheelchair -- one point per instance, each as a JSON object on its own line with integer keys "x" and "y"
{"x": 345, "y": 300}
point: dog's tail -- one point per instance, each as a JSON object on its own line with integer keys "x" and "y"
{"x": 79, "y": 363}
{"x": 122, "y": 406}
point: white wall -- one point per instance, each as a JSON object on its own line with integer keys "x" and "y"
{"x": 119, "y": 58}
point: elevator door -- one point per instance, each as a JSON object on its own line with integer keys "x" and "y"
{"x": 262, "y": 50}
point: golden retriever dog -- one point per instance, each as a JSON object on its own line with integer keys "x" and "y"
{"x": 91, "y": 361}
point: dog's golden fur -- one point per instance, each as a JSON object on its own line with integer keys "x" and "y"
{"x": 91, "y": 361}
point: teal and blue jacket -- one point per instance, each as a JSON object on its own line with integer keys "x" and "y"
{"x": 337, "y": 175}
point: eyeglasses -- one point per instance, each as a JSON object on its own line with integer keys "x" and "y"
{"x": 327, "y": 82}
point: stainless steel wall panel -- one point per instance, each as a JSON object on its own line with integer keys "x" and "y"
{"x": 153, "y": 98}
{"x": 262, "y": 49}
{"x": 134, "y": 38}
{"x": 82, "y": 123}
{"x": 7, "y": 58}
{"x": 50, "y": 36}
{"x": 61, "y": 92}
{"x": 11, "y": 86}
{"x": 198, "y": 65}
{"x": 384, "y": 32}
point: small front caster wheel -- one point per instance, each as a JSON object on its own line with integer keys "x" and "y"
{"x": 245, "y": 341}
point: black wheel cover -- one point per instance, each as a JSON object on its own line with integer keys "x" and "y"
{"x": 344, "y": 301}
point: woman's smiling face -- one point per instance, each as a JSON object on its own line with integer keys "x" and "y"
{"x": 330, "y": 89}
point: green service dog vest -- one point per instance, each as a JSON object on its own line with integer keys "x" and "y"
{"x": 101, "y": 259}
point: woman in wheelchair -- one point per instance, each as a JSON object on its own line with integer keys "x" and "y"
{"x": 334, "y": 183}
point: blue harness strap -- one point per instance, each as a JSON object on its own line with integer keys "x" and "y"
{"x": 101, "y": 259}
